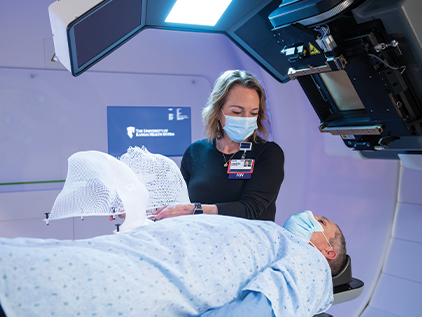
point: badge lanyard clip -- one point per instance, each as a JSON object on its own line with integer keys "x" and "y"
{"x": 245, "y": 146}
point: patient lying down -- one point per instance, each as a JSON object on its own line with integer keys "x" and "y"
{"x": 181, "y": 266}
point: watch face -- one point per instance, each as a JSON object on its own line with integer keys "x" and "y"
{"x": 198, "y": 209}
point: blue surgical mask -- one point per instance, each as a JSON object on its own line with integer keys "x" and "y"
{"x": 303, "y": 225}
{"x": 239, "y": 128}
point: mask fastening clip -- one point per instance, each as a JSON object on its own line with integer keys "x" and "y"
{"x": 46, "y": 217}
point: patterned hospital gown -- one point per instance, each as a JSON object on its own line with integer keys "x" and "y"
{"x": 175, "y": 267}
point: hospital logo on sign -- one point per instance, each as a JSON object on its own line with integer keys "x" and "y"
{"x": 130, "y": 131}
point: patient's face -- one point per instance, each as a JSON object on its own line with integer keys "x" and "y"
{"x": 330, "y": 230}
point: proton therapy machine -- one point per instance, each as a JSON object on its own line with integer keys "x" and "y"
{"x": 357, "y": 61}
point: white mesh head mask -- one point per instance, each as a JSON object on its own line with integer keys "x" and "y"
{"x": 98, "y": 184}
{"x": 161, "y": 176}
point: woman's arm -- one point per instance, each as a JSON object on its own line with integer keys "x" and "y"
{"x": 175, "y": 210}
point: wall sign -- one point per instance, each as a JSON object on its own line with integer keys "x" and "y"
{"x": 162, "y": 130}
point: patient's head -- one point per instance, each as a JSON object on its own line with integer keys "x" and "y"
{"x": 323, "y": 234}
{"x": 334, "y": 249}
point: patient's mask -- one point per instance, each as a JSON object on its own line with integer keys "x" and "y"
{"x": 239, "y": 128}
{"x": 303, "y": 225}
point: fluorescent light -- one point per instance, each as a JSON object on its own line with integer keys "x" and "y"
{"x": 200, "y": 12}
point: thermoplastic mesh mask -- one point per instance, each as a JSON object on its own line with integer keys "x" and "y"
{"x": 161, "y": 176}
{"x": 98, "y": 184}
{"x": 89, "y": 189}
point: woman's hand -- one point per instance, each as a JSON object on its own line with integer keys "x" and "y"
{"x": 173, "y": 210}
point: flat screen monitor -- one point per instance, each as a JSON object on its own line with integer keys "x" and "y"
{"x": 95, "y": 34}
{"x": 162, "y": 130}
{"x": 85, "y": 31}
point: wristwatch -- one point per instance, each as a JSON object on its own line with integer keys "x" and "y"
{"x": 198, "y": 209}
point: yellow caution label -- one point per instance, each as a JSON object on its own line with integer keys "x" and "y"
{"x": 313, "y": 50}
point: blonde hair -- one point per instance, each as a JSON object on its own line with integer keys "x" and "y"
{"x": 218, "y": 97}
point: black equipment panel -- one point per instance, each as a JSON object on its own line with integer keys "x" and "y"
{"x": 376, "y": 68}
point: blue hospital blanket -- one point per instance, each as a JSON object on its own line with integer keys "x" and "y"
{"x": 252, "y": 305}
{"x": 181, "y": 266}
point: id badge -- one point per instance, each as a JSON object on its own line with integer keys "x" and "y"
{"x": 240, "y": 169}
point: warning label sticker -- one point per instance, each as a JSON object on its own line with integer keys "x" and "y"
{"x": 313, "y": 50}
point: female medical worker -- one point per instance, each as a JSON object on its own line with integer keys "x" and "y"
{"x": 218, "y": 180}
